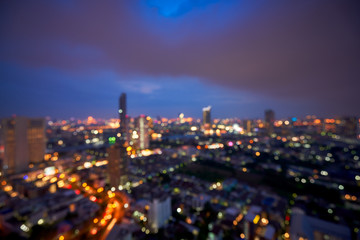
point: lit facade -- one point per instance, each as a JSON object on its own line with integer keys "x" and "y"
{"x": 206, "y": 117}
{"x": 140, "y": 136}
{"x": 24, "y": 142}
{"x": 159, "y": 212}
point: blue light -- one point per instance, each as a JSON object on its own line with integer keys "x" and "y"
{"x": 25, "y": 177}
{"x": 294, "y": 119}
{"x": 176, "y": 8}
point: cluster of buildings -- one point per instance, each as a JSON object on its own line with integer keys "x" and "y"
{"x": 135, "y": 178}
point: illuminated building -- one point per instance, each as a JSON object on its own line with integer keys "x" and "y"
{"x": 307, "y": 227}
{"x": 181, "y": 118}
{"x": 269, "y": 121}
{"x": 24, "y": 142}
{"x": 117, "y": 165}
{"x": 207, "y": 117}
{"x": 159, "y": 212}
{"x": 248, "y": 126}
{"x": 140, "y": 136}
{"x": 123, "y": 117}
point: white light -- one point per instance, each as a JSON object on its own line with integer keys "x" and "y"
{"x": 126, "y": 205}
{"x": 357, "y": 177}
{"x": 178, "y": 210}
{"x": 87, "y": 165}
{"x": 324, "y": 173}
{"x": 120, "y": 188}
{"x": 113, "y": 189}
{"x": 41, "y": 221}
{"x": 24, "y": 228}
{"x": 341, "y": 187}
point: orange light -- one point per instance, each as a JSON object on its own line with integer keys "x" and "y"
{"x": 256, "y": 219}
{"x": 96, "y": 220}
{"x": 317, "y": 121}
{"x": 61, "y": 237}
{"x": 93, "y": 231}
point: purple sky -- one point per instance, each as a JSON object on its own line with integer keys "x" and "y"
{"x": 73, "y": 59}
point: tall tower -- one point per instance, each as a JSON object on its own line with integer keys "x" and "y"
{"x": 117, "y": 166}
{"x": 123, "y": 118}
{"x": 140, "y": 136}
{"x": 269, "y": 121}
{"x": 24, "y": 142}
{"x": 118, "y": 160}
{"x": 207, "y": 117}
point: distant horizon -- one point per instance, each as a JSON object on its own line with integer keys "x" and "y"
{"x": 175, "y": 117}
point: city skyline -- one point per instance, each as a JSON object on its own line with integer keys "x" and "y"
{"x": 241, "y": 58}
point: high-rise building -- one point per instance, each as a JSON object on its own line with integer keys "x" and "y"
{"x": 123, "y": 118}
{"x": 269, "y": 121}
{"x": 117, "y": 166}
{"x": 24, "y": 142}
{"x": 159, "y": 211}
{"x": 247, "y": 125}
{"x": 140, "y": 135}
{"x": 207, "y": 117}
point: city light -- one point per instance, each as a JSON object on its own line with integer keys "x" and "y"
{"x": 182, "y": 119}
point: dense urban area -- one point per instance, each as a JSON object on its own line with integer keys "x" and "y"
{"x": 183, "y": 178}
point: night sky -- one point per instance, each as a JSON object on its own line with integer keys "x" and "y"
{"x": 74, "y": 58}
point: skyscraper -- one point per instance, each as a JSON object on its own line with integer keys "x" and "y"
{"x": 247, "y": 125}
{"x": 269, "y": 121}
{"x": 140, "y": 136}
{"x": 207, "y": 117}
{"x": 24, "y": 142}
{"x": 123, "y": 118}
{"x": 117, "y": 166}
{"x": 118, "y": 160}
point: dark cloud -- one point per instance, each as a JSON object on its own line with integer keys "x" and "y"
{"x": 303, "y": 51}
